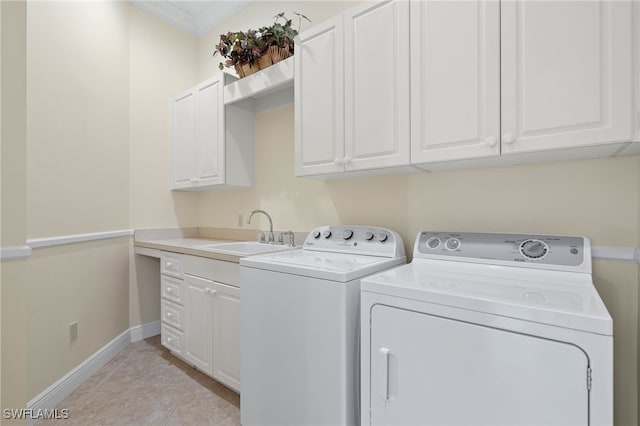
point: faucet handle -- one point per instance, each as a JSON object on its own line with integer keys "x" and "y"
{"x": 261, "y": 236}
{"x": 292, "y": 238}
{"x": 280, "y": 235}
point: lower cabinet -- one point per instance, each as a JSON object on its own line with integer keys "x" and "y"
{"x": 212, "y": 320}
{"x": 202, "y": 324}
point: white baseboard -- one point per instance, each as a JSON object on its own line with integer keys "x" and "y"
{"x": 57, "y": 392}
{"x": 140, "y": 332}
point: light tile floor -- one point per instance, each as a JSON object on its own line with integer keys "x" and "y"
{"x": 146, "y": 385}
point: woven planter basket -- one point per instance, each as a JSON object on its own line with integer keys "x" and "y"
{"x": 265, "y": 61}
{"x": 278, "y": 54}
{"x": 246, "y": 69}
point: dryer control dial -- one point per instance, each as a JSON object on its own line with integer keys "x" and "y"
{"x": 433, "y": 243}
{"x": 452, "y": 244}
{"x": 534, "y": 249}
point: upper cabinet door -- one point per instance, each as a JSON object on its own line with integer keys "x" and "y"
{"x": 319, "y": 99}
{"x": 210, "y": 160}
{"x": 377, "y": 51}
{"x": 455, "y": 80}
{"x": 184, "y": 141}
{"x": 566, "y": 74}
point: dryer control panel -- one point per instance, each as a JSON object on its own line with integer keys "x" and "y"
{"x": 535, "y": 251}
{"x": 356, "y": 239}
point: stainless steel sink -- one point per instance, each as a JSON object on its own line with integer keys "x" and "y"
{"x": 244, "y": 248}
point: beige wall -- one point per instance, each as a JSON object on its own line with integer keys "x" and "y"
{"x": 77, "y": 175}
{"x": 163, "y": 62}
{"x": 13, "y": 336}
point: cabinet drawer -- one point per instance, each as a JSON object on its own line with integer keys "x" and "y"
{"x": 172, "y": 339}
{"x": 172, "y": 314}
{"x": 171, "y": 264}
{"x": 172, "y": 289}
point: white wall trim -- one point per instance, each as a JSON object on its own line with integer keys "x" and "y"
{"x": 14, "y": 252}
{"x": 621, "y": 254}
{"x": 36, "y": 243}
{"x": 57, "y": 392}
{"x": 140, "y": 332}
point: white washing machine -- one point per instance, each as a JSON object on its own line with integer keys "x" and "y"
{"x": 487, "y": 329}
{"x": 300, "y": 325}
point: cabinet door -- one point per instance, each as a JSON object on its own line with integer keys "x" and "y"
{"x": 377, "y": 85}
{"x": 455, "y": 80}
{"x": 566, "y": 74}
{"x": 459, "y": 373}
{"x": 226, "y": 335}
{"x": 210, "y": 149}
{"x": 199, "y": 322}
{"x": 319, "y": 100}
{"x": 184, "y": 141}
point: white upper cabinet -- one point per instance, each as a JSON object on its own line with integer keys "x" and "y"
{"x": 352, "y": 91}
{"x": 212, "y": 145}
{"x": 542, "y": 79}
{"x": 377, "y": 51}
{"x": 566, "y": 74}
{"x": 319, "y": 99}
{"x": 455, "y": 80}
{"x": 184, "y": 141}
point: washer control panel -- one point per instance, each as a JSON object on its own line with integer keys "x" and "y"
{"x": 521, "y": 248}
{"x": 368, "y": 240}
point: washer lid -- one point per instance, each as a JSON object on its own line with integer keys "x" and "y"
{"x": 563, "y": 299}
{"x": 324, "y": 265}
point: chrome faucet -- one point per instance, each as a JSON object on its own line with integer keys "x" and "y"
{"x": 271, "y": 236}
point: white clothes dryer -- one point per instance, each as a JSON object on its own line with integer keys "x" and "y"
{"x": 487, "y": 329}
{"x": 300, "y": 325}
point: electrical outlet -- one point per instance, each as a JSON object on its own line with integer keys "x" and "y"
{"x": 73, "y": 331}
{"x": 240, "y": 220}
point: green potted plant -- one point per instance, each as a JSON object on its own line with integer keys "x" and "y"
{"x": 241, "y": 50}
{"x": 253, "y": 50}
{"x": 279, "y": 36}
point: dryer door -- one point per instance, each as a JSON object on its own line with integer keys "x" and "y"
{"x": 428, "y": 370}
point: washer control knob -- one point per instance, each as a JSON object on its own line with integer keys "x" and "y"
{"x": 316, "y": 234}
{"x": 433, "y": 243}
{"x": 368, "y": 235}
{"x": 452, "y": 244}
{"x": 534, "y": 249}
{"x": 326, "y": 234}
{"x": 383, "y": 237}
{"x": 347, "y": 234}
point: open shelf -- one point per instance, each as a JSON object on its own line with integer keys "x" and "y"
{"x": 277, "y": 77}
